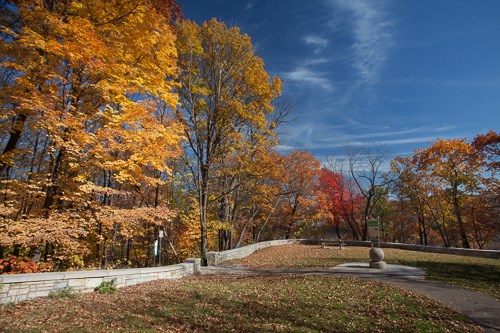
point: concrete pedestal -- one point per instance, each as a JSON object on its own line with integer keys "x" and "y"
{"x": 378, "y": 264}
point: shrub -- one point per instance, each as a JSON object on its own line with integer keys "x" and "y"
{"x": 66, "y": 292}
{"x": 106, "y": 287}
{"x": 15, "y": 265}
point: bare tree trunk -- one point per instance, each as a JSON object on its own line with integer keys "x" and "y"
{"x": 240, "y": 238}
{"x": 337, "y": 230}
{"x": 458, "y": 214}
{"x": 53, "y": 188}
{"x": 14, "y": 137}
{"x": 267, "y": 220}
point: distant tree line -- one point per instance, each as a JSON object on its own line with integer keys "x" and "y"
{"x": 446, "y": 194}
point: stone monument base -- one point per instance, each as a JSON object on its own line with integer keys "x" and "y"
{"x": 378, "y": 264}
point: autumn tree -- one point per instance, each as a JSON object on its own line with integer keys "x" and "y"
{"x": 81, "y": 111}
{"x": 247, "y": 175}
{"x": 298, "y": 186}
{"x": 488, "y": 146}
{"x": 366, "y": 169}
{"x": 335, "y": 201}
{"x": 413, "y": 185}
{"x": 455, "y": 165}
{"x": 402, "y": 220}
{"x": 224, "y": 90}
{"x": 451, "y": 189}
{"x": 483, "y": 219}
{"x": 484, "y": 209}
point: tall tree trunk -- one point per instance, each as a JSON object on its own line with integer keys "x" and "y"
{"x": 267, "y": 220}
{"x": 203, "y": 197}
{"x": 421, "y": 230}
{"x": 458, "y": 214}
{"x": 113, "y": 243}
{"x": 104, "y": 257}
{"x": 352, "y": 224}
{"x": 14, "y": 137}
{"x": 337, "y": 230}
{"x": 240, "y": 238}
{"x": 290, "y": 225}
{"x": 17, "y": 249}
{"x": 367, "y": 211}
{"x": 53, "y": 188}
{"x": 129, "y": 246}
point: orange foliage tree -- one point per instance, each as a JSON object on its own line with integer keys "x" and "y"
{"x": 84, "y": 119}
{"x": 225, "y": 95}
{"x": 298, "y": 184}
{"x": 452, "y": 189}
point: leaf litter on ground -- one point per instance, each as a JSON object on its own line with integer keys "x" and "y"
{"x": 478, "y": 274}
{"x": 240, "y": 303}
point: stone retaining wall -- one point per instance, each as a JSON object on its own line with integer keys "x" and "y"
{"x": 19, "y": 287}
{"x": 215, "y": 258}
{"x": 493, "y": 254}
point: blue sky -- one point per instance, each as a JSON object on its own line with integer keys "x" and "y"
{"x": 401, "y": 73}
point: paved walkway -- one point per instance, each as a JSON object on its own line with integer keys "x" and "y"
{"x": 482, "y": 309}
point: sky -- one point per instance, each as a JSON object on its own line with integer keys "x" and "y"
{"x": 397, "y": 73}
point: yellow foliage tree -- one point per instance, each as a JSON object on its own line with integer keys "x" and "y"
{"x": 82, "y": 110}
{"x": 224, "y": 90}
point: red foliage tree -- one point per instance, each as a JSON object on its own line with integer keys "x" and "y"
{"x": 338, "y": 202}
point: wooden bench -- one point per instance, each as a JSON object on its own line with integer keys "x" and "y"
{"x": 340, "y": 243}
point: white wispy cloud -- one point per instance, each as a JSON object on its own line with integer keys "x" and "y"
{"x": 317, "y": 61}
{"x": 319, "y": 43}
{"x": 336, "y": 143}
{"x": 305, "y": 75}
{"x": 372, "y": 36}
{"x": 386, "y": 134}
{"x": 478, "y": 83}
{"x": 249, "y": 5}
{"x": 325, "y": 137}
{"x": 285, "y": 148}
{"x": 391, "y": 142}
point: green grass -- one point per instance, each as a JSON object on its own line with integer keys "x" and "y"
{"x": 479, "y": 274}
{"x": 241, "y": 304}
{"x": 67, "y": 292}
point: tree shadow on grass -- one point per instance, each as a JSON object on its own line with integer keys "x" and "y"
{"x": 480, "y": 277}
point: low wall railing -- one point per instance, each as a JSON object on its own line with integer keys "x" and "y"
{"x": 492, "y": 254}
{"x": 19, "y": 287}
{"x": 215, "y": 258}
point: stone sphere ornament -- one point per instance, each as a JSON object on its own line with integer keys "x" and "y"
{"x": 376, "y": 254}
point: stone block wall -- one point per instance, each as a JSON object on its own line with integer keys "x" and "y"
{"x": 492, "y": 254}
{"x": 215, "y": 258}
{"x": 20, "y": 287}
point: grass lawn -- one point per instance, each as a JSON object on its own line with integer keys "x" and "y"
{"x": 240, "y": 304}
{"x": 474, "y": 273}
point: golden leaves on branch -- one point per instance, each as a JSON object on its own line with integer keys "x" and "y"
{"x": 449, "y": 185}
{"x": 89, "y": 78}
{"x": 65, "y": 230}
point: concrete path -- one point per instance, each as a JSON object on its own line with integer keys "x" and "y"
{"x": 482, "y": 309}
